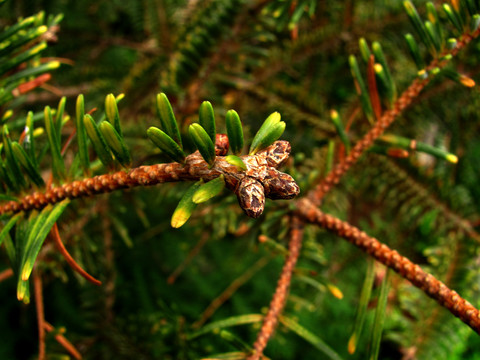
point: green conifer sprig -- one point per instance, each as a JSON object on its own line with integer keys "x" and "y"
{"x": 197, "y": 41}
{"x": 21, "y": 164}
{"x": 21, "y": 167}
{"x": 289, "y": 13}
{"x": 21, "y": 46}
{"x": 106, "y": 138}
{"x": 433, "y": 36}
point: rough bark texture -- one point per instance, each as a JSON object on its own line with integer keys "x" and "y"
{"x": 434, "y": 288}
{"x": 261, "y": 168}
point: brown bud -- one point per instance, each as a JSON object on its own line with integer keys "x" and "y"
{"x": 279, "y": 185}
{"x": 251, "y": 197}
{"x": 221, "y": 144}
{"x": 277, "y": 153}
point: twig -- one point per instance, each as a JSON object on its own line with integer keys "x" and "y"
{"x": 435, "y": 316}
{"x": 334, "y": 176}
{"x": 5, "y": 274}
{"x": 261, "y": 167}
{"x": 407, "y": 97}
{"x": 280, "y": 296}
{"x": 37, "y": 285}
{"x": 372, "y": 88}
{"x": 62, "y": 340}
{"x": 55, "y": 236}
{"x": 400, "y": 264}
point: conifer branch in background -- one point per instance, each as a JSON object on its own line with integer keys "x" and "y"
{"x": 392, "y": 259}
{"x": 281, "y": 292}
{"x": 408, "y": 96}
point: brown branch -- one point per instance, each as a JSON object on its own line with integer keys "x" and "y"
{"x": 392, "y": 259}
{"x": 62, "y": 340}
{"x": 372, "y": 88}
{"x": 37, "y": 285}
{"x": 432, "y": 319}
{"x": 55, "y": 236}
{"x": 334, "y": 176}
{"x": 261, "y": 167}
{"x": 407, "y": 97}
{"x": 5, "y": 274}
{"x": 280, "y": 296}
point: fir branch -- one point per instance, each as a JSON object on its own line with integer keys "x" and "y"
{"x": 439, "y": 325}
{"x": 55, "y": 236}
{"x": 288, "y": 103}
{"x": 407, "y": 97}
{"x": 37, "y": 284}
{"x": 392, "y": 259}
{"x": 62, "y": 340}
{"x": 5, "y": 274}
{"x": 261, "y": 167}
{"x": 280, "y": 296}
{"x": 400, "y": 181}
{"x": 195, "y": 63}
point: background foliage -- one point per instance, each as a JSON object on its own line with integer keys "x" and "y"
{"x": 255, "y": 57}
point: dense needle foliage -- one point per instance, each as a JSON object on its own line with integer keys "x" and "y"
{"x": 201, "y": 291}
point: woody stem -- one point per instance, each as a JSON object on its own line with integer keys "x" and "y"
{"x": 392, "y": 259}
{"x": 280, "y": 296}
{"x": 261, "y": 166}
{"x": 407, "y": 97}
